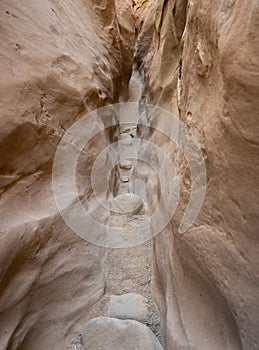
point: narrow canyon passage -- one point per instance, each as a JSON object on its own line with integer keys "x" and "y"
{"x": 128, "y": 270}
{"x": 129, "y": 175}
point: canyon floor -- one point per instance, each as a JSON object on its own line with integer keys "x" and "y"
{"x": 127, "y": 270}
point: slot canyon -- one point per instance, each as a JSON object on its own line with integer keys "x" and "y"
{"x": 129, "y": 175}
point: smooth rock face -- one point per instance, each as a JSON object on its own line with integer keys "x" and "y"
{"x": 125, "y": 140}
{"x": 62, "y": 59}
{"x": 106, "y": 333}
{"x": 59, "y": 60}
{"x": 129, "y": 306}
{"x": 45, "y": 272}
{"x": 206, "y": 280}
{"x": 126, "y": 203}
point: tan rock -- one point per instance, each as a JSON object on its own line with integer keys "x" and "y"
{"x": 125, "y": 164}
{"x": 59, "y": 60}
{"x": 126, "y": 203}
{"x": 114, "y": 334}
{"x": 129, "y": 306}
{"x": 125, "y": 140}
{"x": 206, "y": 280}
{"x": 124, "y": 178}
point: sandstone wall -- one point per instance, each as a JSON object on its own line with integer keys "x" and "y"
{"x": 59, "y": 60}
{"x": 206, "y": 281}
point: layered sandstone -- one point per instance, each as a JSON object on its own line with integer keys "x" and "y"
{"x": 206, "y": 280}
{"x": 59, "y": 60}
{"x": 196, "y": 59}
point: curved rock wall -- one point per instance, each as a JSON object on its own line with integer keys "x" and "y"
{"x": 206, "y": 280}
{"x": 59, "y": 60}
{"x": 198, "y": 59}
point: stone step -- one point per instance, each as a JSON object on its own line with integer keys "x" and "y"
{"x": 106, "y": 333}
{"x": 126, "y": 164}
{"x": 126, "y": 203}
{"x": 129, "y": 306}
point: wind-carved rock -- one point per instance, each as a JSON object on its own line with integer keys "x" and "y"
{"x": 115, "y": 334}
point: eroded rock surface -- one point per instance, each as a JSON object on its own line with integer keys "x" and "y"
{"x": 206, "y": 280}
{"x": 129, "y": 306}
{"x": 59, "y": 60}
{"x": 114, "y": 334}
{"x": 197, "y": 59}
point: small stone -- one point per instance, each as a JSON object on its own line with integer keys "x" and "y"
{"x": 125, "y": 164}
{"x": 129, "y": 306}
{"x": 126, "y": 203}
{"x": 126, "y": 140}
{"x": 124, "y": 178}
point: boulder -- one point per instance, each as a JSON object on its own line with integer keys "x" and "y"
{"x": 107, "y": 333}
{"x": 126, "y": 203}
{"x": 129, "y": 306}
